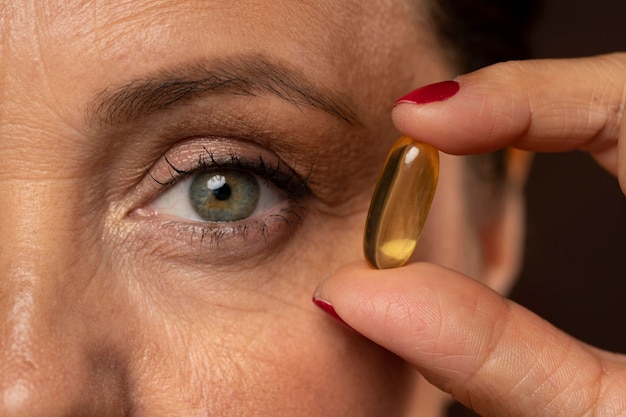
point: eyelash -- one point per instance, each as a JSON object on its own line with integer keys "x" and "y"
{"x": 289, "y": 181}
{"x": 276, "y": 173}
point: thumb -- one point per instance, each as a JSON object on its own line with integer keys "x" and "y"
{"x": 540, "y": 105}
{"x": 491, "y": 354}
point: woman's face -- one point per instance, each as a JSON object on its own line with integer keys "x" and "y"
{"x": 120, "y": 292}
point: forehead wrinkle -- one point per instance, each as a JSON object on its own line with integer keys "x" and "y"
{"x": 248, "y": 76}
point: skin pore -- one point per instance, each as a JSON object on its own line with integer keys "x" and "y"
{"x": 110, "y": 306}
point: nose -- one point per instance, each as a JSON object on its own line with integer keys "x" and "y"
{"x": 43, "y": 372}
{"x": 56, "y": 359}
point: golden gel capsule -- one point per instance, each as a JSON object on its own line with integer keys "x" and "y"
{"x": 400, "y": 203}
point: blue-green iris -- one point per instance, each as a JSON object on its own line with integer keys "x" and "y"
{"x": 224, "y": 196}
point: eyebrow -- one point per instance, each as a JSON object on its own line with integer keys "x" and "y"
{"x": 247, "y": 75}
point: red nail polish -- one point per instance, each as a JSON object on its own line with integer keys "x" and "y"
{"x": 329, "y": 309}
{"x": 430, "y": 93}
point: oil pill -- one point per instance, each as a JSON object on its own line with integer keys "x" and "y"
{"x": 400, "y": 203}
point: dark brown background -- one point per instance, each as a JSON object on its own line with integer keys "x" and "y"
{"x": 575, "y": 267}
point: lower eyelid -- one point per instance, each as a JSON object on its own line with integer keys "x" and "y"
{"x": 219, "y": 244}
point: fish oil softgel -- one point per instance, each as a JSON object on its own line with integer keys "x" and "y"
{"x": 400, "y": 203}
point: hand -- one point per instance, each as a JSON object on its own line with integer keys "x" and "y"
{"x": 542, "y": 106}
{"x": 491, "y": 354}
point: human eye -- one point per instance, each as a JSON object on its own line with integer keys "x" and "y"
{"x": 218, "y": 195}
{"x": 229, "y": 196}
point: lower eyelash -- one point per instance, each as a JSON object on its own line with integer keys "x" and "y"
{"x": 214, "y": 233}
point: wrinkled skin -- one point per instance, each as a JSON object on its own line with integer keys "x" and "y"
{"x": 110, "y": 307}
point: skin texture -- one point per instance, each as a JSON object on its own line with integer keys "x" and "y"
{"x": 109, "y": 307}
{"x": 488, "y": 352}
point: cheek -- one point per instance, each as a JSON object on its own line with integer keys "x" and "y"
{"x": 252, "y": 343}
{"x": 277, "y": 359}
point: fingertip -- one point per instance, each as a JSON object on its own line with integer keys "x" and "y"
{"x": 431, "y": 93}
{"x": 368, "y": 298}
{"x": 483, "y": 114}
{"x": 423, "y": 103}
{"x": 328, "y": 308}
{"x": 340, "y": 281}
{"x": 450, "y": 125}
{"x": 336, "y": 288}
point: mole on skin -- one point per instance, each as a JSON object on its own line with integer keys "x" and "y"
{"x": 400, "y": 203}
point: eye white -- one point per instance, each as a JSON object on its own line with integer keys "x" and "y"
{"x": 174, "y": 202}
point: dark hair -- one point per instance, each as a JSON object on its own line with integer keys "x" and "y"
{"x": 478, "y": 33}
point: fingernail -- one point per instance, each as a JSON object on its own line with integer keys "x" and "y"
{"x": 329, "y": 309}
{"x": 431, "y": 93}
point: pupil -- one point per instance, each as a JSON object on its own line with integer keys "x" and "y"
{"x": 225, "y": 195}
{"x": 222, "y": 193}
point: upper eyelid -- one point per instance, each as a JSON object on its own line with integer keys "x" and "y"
{"x": 281, "y": 175}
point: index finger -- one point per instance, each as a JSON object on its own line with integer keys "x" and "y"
{"x": 537, "y": 105}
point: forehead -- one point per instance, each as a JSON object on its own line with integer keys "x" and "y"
{"x": 113, "y": 39}
{"x": 58, "y": 56}
{"x": 122, "y": 37}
